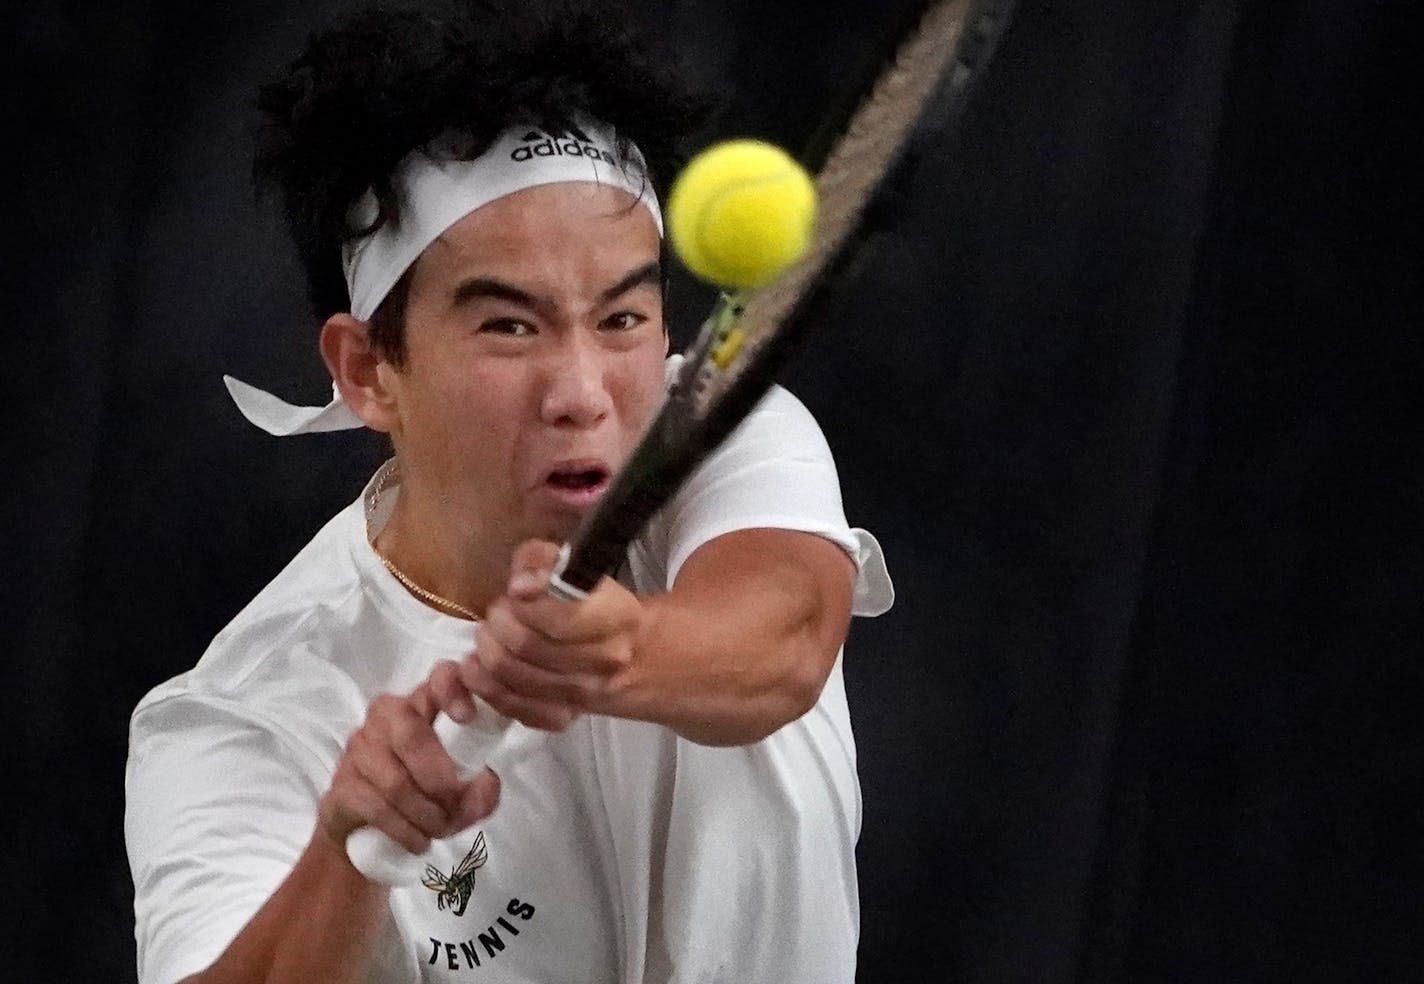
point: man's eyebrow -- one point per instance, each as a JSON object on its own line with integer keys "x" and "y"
{"x": 476, "y": 288}
{"x": 647, "y": 274}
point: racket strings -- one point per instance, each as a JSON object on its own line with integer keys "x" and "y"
{"x": 874, "y": 138}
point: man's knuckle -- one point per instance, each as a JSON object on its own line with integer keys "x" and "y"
{"x": 382, "y": 707}
{"x": 519, "y": 641}
{"x": 393, "y": 786}
{"x": 442, "y": 677}
{"x": 581, "y": 692}
{"x": 428, "y": 819}
{"x": 498, "y": 698}
{"x": 401, "y": 830}
{"x": 357, "y": 745}
{"x": 494, "y": 658}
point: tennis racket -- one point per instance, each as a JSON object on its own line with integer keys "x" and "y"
{"x": 740, "y": 348}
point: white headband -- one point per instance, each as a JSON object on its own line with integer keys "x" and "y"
{"x": 435, "y": 191}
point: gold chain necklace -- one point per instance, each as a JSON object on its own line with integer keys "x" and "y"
{"x": 429, "y": 596}
{"x": 400, "y": 575}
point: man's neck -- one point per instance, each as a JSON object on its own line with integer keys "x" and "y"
{"x": 443, "y": 558}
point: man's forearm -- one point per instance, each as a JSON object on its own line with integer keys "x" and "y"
{"x": 323, "y": 899}
{"x": 744, "y": 642}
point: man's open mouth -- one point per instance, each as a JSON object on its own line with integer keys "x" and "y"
{"x": 578, "y": 482}
{"x": 581, "y": 479}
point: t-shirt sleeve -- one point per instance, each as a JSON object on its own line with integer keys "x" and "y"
{"x": 775, "y": 471}
{"x": 217, "y": 815}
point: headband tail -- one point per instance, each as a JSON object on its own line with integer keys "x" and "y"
{"x": 282, "y": 419}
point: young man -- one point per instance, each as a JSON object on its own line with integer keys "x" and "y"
{"x": 472, "y": 188}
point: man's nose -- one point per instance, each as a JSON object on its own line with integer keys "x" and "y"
{"x": 576, "y": 392}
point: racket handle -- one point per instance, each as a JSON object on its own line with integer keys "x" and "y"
{"x": 490, "y": 741}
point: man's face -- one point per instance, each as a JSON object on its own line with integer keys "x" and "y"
{"x": 535, "y": 345}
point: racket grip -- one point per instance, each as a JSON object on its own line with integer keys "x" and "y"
{"x": 491, "y": 741}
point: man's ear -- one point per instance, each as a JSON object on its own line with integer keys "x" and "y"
{"x": 355, "y": 367}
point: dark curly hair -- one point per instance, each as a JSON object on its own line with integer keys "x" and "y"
{"x": 391, "y": 77}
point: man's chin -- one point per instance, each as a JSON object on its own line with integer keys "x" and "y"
{"x": 558, "y": 515}
{"x": 558, "y": 526}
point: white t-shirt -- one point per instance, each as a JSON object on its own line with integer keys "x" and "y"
{"x": 619, "y": 852}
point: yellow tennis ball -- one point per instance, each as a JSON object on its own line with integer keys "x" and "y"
{"x": 741, "y": 212}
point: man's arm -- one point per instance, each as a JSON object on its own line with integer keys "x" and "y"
{"x": 393, "y": 775}
{"x": 741, "y": 645}
{"x": 324, "y": 899}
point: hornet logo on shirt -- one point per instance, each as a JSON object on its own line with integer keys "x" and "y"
{"x": 455, "y": 889}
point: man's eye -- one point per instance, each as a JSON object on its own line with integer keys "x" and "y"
{"x": 507, "y": 326}
{"x": 623, "y": 321}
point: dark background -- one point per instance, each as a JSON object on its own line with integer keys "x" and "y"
{"x": 1126, "y": 387}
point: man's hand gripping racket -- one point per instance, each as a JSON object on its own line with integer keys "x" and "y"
{"x": 736, "y": 356}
